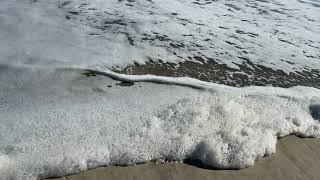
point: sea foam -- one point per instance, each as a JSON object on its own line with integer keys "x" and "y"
{"x": 282, "y": 35}
{"x": 59, "y": 121}
{"x": 62, "y": 112}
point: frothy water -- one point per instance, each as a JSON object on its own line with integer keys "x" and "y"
{"x": 282, "y": 34}
{"x": 60, "y": 121}
{"x": 62, "y": 111}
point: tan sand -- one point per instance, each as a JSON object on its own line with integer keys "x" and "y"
{"x": 296, "y": 158}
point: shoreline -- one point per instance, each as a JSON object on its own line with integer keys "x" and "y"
{"x": 207, "y": 69}
{"x": 295, "y": 158}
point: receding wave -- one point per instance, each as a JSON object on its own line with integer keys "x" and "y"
{"x": 60, "y": 121}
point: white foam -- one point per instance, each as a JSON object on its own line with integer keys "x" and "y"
{"x": 55, "y": 121}
{"x": 287, "y": 32}
{"x": 58, "y": 121}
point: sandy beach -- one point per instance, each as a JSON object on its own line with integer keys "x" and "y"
{"x": 296, "y": 158}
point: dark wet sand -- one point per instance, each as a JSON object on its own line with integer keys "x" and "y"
{"x": 207, "y": 69}
{"x": 296, "y": 158}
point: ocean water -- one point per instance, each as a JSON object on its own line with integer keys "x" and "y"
{"x": 282, "y": 34}
{"x": 65, "y": 107}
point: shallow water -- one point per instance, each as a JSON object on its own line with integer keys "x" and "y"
{"x": 281, "y": 35}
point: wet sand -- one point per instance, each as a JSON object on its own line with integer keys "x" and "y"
{"x": 296, "y": 158}
{"x": 207, "y": 69}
